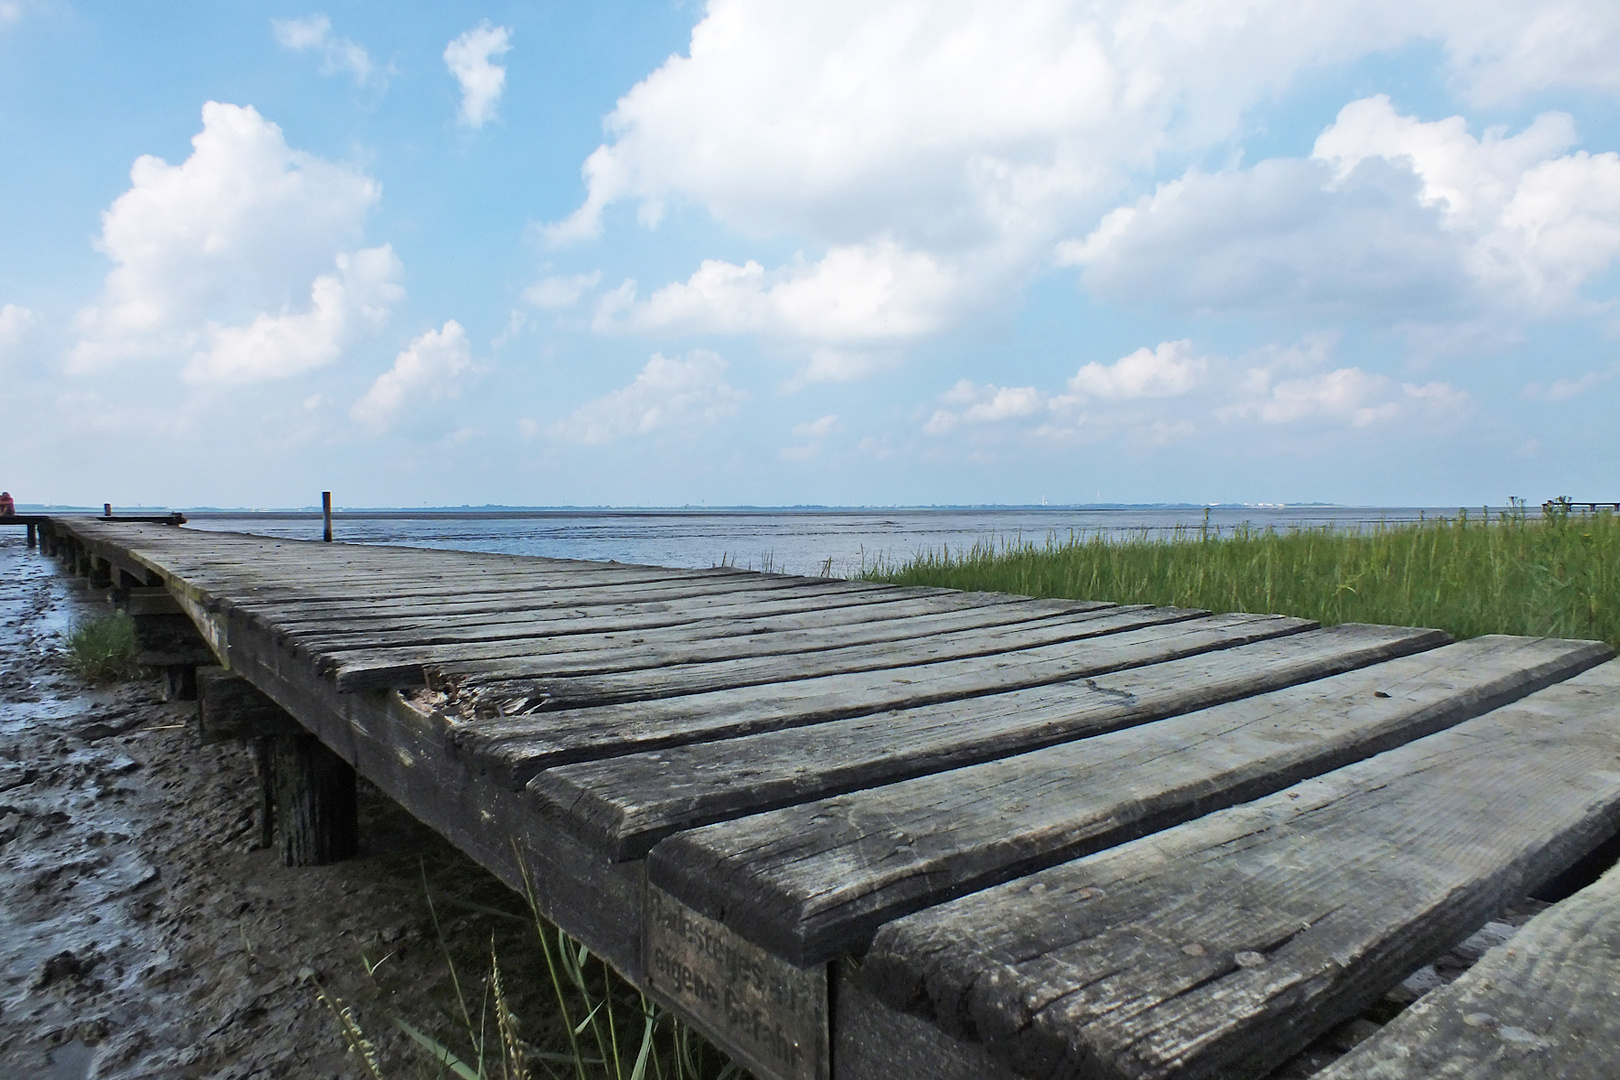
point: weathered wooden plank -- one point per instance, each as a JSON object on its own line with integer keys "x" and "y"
{"x": 536, "y": 604}
{"x": 206, "y": 547}
{"x": 357, "y": 667}
{"x": 512, "y": 679}
{"x": 291, "y": 609}
{"x": 874, "y": 1042}
{"x": 308, "y": 606}
{"x": 315, "y": 635}
{"x": 404, "y": 754}
{"x": 624, "y": 676}
{"x": 1543, "y": 1006}
{"x": 628, "y": 803}
{"x": 515, "y": 747}
{"x": 304, "y": 615}
{"x": 286, "y": 568}
{"x": 315, "y": 601}
{"x": 472, "y": 610}
{"x": 815, "y": 879}
{"x": 1223, "y": 946}
{"x": 927, "y": 614}
{"x": 212, "y": 554}
{"x": 574, "y": 632}
{"x": 750, "y": 634}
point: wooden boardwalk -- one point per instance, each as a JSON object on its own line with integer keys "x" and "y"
{"x": 862, "y": 831}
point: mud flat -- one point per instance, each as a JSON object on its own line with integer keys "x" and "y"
{"x": 142, "y": 934}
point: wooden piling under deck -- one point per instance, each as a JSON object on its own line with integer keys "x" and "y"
{"x": 858, "y": 831}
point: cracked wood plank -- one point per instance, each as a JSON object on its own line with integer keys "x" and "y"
{"x": 1225, "y": 945}
{"x": 517, "y": 747}
{"x": 653, "y": 669}
{"x": 817, "y": 628}
{"x": 815, "y": 879}
{"x": 1542, "y": 1006}
{"x": 626, "y": 804}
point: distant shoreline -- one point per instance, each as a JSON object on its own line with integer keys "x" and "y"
{"x": 495, "y": 511}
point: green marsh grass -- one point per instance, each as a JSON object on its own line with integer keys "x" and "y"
{"x": 103, "y": 649}
{"x": 598, "y": 1026}
{"x": 1557, "y": 575}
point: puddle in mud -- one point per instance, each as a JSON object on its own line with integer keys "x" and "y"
{"x": 70, "y": 1061}
{"x": 141, "y": 933}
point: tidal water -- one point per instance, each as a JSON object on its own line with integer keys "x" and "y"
{"x": 811, "y": 541}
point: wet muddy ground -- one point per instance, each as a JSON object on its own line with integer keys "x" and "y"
{"x": 142, "y": 934}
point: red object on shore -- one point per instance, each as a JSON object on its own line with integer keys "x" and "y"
{"x": 8, "y": 506}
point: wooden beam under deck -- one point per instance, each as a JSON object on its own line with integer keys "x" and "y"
{"x": 853, "y": 830}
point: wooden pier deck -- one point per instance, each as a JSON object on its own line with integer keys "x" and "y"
{"x": 862, "y": 831}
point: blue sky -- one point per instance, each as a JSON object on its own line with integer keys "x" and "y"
{"x": 863, "y": 253}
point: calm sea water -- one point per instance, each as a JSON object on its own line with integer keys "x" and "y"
{"x": 794, "y": 541}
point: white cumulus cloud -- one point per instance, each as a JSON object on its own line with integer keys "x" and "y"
{"x": 815, "y": 433}
{"x": 1349, "y": 396}
{"x": 987, "y": 404}
{"x": 215, "y": 257}
{"x": 15, "y": 322}
{"x": 817, "y": 429}
{"x": 1171, "y": 392}
{"x": 355, "y": 299}
{"x": 313, "y": 33}
{"x": 558, "y": 291}
{"x": 827, "y": 364}
{"x": 964, "y": 117}
{"x": 431, "y": 369}
{"x": 965, "y": 138}
{"x": 1390, "y": 216}
{"x": 1168, "y": 370}
{"x": 470, "y": 59}
{"x": 681, "y": 395}
{"x": 1567, "y": 389}
{"x": 861, "y": 293}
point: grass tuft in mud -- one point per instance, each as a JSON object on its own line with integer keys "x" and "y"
{"x": 103, "y": 649}
{"x": 594, "y": 1025}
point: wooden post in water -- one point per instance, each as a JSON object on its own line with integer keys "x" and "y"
{"x": 326, "y": 514}
{"x": 32, "y": 533}
{"x": 316, "y": 811}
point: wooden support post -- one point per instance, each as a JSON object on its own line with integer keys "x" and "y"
{"x": 168, "y": 639}
{"x": 326, "y": 515}
{"x": 179, "y": 682}
{"x": 33, "y": 532}
{"x": 315, "y": 802}
{"x": 100, "y": 573}
{"x": 264, "y": 767}
{"x": 231, "y": 708}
